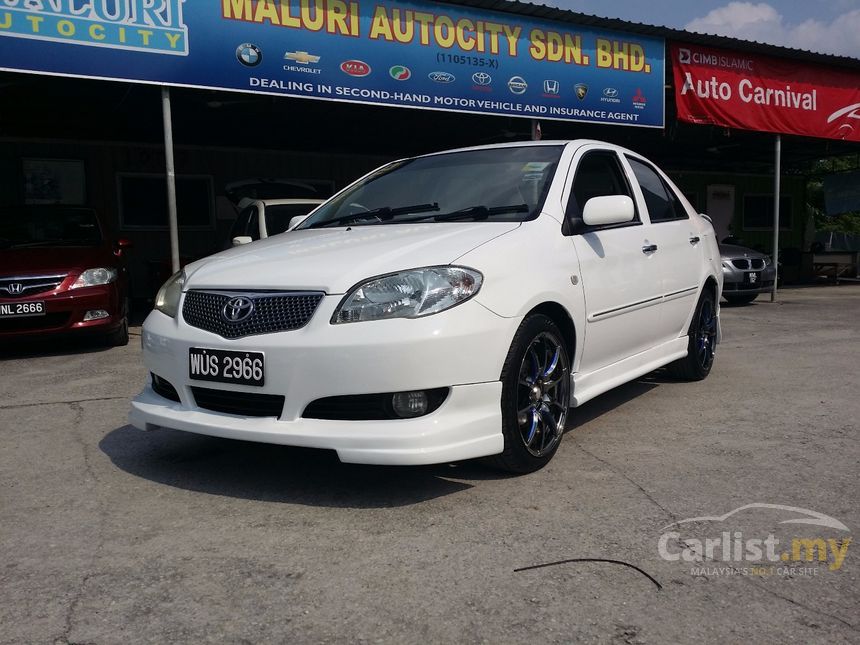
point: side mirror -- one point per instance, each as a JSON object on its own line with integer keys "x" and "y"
{"x": 241, "y": 240}
{"x": 707, "y": 217}
{"x": 295, "y": 221}
{"x": 608, "y": 209}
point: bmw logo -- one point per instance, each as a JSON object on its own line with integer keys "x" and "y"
{"x": 249, "y": 54}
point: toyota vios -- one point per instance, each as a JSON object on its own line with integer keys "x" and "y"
{"x": 441, "y": 308}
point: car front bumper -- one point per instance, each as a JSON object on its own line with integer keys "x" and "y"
{"x": 64, "y": 313}
{"x": 462, "y": 349}
{"x": 737, "y": 281}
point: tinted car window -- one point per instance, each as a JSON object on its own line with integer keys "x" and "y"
{"x": 663, "y": 205}
{"x": 49, "y": 226}
{"x": 240, "y": 226}
{"x": 599, "y": 174}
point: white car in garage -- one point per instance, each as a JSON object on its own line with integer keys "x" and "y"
{"x": 443, "y": 307}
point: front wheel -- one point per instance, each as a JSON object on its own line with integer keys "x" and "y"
{"x": 702, "y": 343}
{"x": 535, "y": 396}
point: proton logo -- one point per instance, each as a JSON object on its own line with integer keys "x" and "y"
{"x": 581, "y": 90}
{"x": 249, "y": 54}
{"x": 356, "y": 68}
{"x": 684, "y": 56}
{"x": 303, "y": 58}
{"x": 442, "y": 77}
{"x": 610, "y": 92}
{"x": 237, "y": 309}
{"x": 517, "y": 85}
{"x": 848, "y": 112}
{"x": 400, "y": 72}
{"x": 551, "y": 88}
{"x": 482, "y": 79}
{"x": 15, "y": 288}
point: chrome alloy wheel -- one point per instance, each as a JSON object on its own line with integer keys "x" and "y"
{"x": 706, "y": 335}
{"x": 543, "y": 394}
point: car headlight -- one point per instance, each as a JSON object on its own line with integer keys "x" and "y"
{"x": 768, "y": 260}
{"x": 95, "y": 277}
{"x": 727, "y": 266}
{"x": 167, "y": 299}
{"x": 408, "y": 294}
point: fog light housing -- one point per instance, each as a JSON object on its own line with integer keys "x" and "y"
{"x": 408, "y": 405}
{"x": 95, "y": 314}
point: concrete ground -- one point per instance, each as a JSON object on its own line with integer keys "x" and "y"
{"x": 112, "y": 535}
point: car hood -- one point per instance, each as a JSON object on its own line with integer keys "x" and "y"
{"x": 334, "y": 259}
{"x": 729, "y": 251}
{"x": 62, "y": 259}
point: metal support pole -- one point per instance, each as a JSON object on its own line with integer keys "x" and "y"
{"x": 171, "y": 179}
{"x": 776, "y": 176}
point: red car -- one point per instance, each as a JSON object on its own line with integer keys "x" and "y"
{"x": 61, "y": 274}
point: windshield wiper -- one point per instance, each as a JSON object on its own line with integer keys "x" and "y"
{"x": 382, "y": 214}
{"x": 479, "y": 212}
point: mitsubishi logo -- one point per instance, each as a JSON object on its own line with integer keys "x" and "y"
{"x": 237, "y": 309}
{"x": 15, "y": 288}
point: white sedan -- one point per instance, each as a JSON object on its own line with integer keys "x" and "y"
{"x": 441, "y": 308}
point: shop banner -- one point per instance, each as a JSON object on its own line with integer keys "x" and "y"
{"x": 751, "y": 92}
{"x": 412, "y": 54}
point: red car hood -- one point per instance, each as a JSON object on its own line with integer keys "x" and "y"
{"x": 44, "y": 260}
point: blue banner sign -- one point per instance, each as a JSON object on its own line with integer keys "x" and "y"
{"x": 411, "y": 54}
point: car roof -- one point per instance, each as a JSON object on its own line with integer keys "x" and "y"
{"x": 575, "y": 143}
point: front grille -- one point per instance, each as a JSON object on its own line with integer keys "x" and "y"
{"x": 17, "y": 287}
{"x": 273, "y": 311}
{"x": 31, "y": 323}
{"x": 755, "y": 263}
{"x": 164, "y": 388}
{"x": 246, "y": 404}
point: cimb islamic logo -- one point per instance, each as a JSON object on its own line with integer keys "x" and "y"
{"x": 713, "y": 545}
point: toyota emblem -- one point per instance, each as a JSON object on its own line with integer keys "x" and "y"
{"x": 237, "y": 309}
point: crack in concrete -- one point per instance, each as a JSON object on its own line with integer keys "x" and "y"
{"x": 34, "y": 405}
{"x": 617, "y": 471}
{"x": 771, "y": 592}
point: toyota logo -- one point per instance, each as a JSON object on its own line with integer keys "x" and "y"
{"x": 237, "y": 309}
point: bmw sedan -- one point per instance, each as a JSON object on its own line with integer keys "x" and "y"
{"x": 746, "y": 273}
{"x": 443, "y": 307}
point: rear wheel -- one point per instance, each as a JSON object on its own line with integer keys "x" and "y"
{"x": 702, "y": 343}
{"x": 535, "y": 396}
{"x": 740, "y": 300}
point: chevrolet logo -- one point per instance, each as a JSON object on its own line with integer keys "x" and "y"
{"x": 301, "y": 57}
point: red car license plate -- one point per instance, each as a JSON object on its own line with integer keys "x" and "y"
{"x": 21, "y": 309}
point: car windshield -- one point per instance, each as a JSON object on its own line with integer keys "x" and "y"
{"x": 495, "y": 184}
{"x": 278, "y": 216}
{"x": 34, "y": 227}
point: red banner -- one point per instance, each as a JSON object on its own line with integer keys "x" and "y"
{"x": 750, "y": 92}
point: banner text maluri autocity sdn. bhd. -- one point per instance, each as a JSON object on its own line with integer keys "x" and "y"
{"x": 413, "y": 54}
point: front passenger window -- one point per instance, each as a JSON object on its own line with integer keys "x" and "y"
{"x": 598, "y": 174}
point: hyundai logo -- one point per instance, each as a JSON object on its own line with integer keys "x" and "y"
{"x": 237, "y": 309}
{"x": 482, "y": 78}
{"x": 610, "y": 92}
{"x": 15, "y": 288}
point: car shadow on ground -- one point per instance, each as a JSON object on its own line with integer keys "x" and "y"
{"x": 51, "y": 347}
{"x": 285, "y": 474}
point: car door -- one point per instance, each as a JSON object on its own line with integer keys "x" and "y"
{"x": 620, "y": 279}
{"x": 679, "y": 253}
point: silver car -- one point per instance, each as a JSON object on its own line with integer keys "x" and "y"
{"x": 746, "y": 273}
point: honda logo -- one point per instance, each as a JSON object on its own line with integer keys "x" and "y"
{"x": 550, "y": 87}
{"x": 237, "y": 309}
{"x": 15, "y": 288}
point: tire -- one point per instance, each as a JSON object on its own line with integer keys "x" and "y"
{"x": 740, "y": 300}
{"x": 535, "y": 396}
{"x": 701, "y": 344}
{"x": 119, "y": 337}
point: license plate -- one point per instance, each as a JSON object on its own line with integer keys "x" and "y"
{"x": 20, "y": 309}
{"x": 226, "y": 366}
{"x": 753, "y": 277}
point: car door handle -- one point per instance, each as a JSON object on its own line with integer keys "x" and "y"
{"x": 694, "y": 239}
{"x": 649, "y": 248}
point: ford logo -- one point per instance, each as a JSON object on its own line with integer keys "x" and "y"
{"x": 610, "y": 92}
{"x": 442, "y": 77}
{"x": 237, "y": 309}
